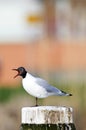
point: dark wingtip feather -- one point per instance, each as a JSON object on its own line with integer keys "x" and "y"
{"x": 70, "y": 95}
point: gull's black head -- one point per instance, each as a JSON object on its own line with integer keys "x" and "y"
{"x": 21, "y": 72}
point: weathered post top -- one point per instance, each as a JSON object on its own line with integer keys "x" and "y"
{"x": 47, "y": 115}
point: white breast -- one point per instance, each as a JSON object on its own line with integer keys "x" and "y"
{"x": 33, "y": 88}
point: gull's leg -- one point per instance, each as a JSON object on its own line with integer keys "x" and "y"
{"x": 36, "y": 101}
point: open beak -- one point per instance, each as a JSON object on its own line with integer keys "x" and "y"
{"x": 17, "y": 73}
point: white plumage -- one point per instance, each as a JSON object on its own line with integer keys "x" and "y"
{"x": 38, "y": 87}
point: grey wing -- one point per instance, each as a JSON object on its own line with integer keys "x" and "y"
{"x": 47, "y": 86}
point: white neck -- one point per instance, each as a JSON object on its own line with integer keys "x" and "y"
{"x": 28, "y": 75}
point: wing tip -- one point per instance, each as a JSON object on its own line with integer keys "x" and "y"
{"x": 70, "y": 95}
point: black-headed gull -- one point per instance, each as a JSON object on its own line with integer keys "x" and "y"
{"x": 38, "y": 87}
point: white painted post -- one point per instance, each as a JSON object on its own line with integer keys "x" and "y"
{"x": 59, "y": 117}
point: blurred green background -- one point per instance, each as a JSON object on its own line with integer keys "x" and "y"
{"x": 13, "y": 99}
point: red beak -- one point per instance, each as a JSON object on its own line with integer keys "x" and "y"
{"x": 17, "y": 71}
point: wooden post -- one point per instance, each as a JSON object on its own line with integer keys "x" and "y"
{"x": 47, "y": 118}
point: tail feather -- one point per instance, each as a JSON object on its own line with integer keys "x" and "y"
{"x": 66, "y": 94}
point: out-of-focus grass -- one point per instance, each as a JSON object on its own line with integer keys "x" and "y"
{"x": 6, "y": 93}
{"x": 77, "y": 89}
{"x": 77, "y": 101}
